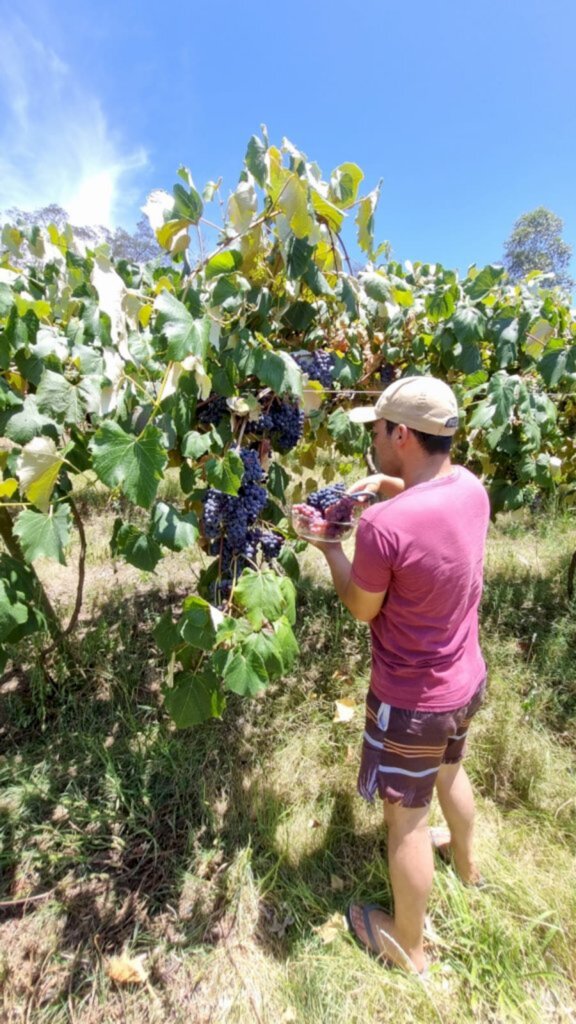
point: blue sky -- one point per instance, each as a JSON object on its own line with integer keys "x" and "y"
{"x": 467, "y": 112}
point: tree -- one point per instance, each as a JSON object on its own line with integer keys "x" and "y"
{"x": 137, "y": 247}
{"x": 536, "y": 244}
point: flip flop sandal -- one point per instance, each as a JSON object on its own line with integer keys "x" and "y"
{"x": 374, "y": 947}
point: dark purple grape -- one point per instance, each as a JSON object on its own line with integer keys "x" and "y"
{"x": 212, "y": 410}
{"x": 318, "y": 365}
{"x": 387, "y": 373}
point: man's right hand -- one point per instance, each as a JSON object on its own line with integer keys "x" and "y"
{"x": 380, "y": 484}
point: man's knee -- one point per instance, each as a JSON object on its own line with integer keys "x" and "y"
{"x": 405, "y": 819}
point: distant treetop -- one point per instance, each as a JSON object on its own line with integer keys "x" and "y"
{"x": 536, "y": 244}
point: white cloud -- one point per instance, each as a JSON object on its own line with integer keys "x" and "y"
{"x": 56, "y": 145}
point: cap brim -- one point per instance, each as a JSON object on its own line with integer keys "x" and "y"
{"x": 363, "y": 414}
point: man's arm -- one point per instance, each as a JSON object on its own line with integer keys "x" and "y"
{"x": 361, "y": 603}
{"x": 380, "y": 484}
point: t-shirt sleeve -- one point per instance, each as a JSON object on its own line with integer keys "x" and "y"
{"x": 371, "y": 565}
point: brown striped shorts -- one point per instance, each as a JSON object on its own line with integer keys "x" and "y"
{"x": 403, "y": 750}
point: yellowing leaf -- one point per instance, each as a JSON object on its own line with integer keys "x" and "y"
{"x": 8, "y": 487}
{"x": 345, "y": 710}
{"x": 127, "y": 970}
{"x": 331, "y": 929}
{"x": 293, "y": 202}
{"x": 38, "y": 469}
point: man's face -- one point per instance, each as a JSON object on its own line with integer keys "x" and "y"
{"x": 385, "y": 452}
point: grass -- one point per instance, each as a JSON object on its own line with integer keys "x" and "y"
{"x": 220, "y": 853}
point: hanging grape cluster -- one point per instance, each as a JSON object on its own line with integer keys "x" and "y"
{"x": 318, "y": 365}
{"x": 229, "y": 525}
{"x": 283, "y": 421}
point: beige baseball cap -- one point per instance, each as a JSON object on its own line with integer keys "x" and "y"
{"x": 421, "y": 403}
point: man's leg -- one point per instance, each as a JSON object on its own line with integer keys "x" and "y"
{"x": 457, "y": 803}
{"x": 411, "y": 868}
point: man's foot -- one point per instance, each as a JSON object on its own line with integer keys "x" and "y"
{"x": 375, "y": 930}
{"x": 440, "y": 839}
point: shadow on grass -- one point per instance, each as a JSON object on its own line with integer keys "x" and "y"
{"x": 132, "y": 826}
{"x": 127, "y": 825}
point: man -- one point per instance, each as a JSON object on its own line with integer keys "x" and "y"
{"x": 416, "y": 577}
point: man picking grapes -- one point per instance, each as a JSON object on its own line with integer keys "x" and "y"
{"x": 416, "y": 577}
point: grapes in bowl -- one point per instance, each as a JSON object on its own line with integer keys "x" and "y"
{"x": 329, "y": 515}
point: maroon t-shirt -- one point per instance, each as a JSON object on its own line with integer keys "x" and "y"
{"x": 425, "y": 548}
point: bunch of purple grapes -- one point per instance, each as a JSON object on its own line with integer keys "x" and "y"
{"x": 212, "y": 410}
{"x": 319, "y": 365}
{"x": 387, "y": 373}
{"x": 326, "y": 514}
{"x": 229, "y": 524}
{"x": 284, "y": 421}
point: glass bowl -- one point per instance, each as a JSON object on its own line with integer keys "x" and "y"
{"x": 325, "y": 529}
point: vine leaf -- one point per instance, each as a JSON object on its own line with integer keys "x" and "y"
{"x": 261, "y": 596}
{"x": 44, "y": 535}
{"x": 223, "y": 263}
{"x": 196, "y": 624}
{"x": 38, "y": 469}
{"x": 245, "y": 674}
{"x": 225, "y": 474}
{"x": 195, "y": 698}
{"x": 185, "y": 335}
{"x": 256, "y": 159}
{"x": 134, "y": 464}
{"x": 171, "y": 528}
{"x": 138, "y": 548}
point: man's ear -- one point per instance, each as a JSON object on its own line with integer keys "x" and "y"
{"x": 401, "y": 435}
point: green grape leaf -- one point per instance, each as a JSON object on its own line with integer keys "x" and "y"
{"x": 194, "y": 698}
{"x": 166, "y": 633}
{"x": 440, "y": 304}
{"x": 137, "y": 548}
{"x": 25, "y": 423}
{"x": 278, "y": 480}
{"x": 185, "y": 335}
{"x": 260, "y": 594}
{"x": 287, "y": 643}
{"x": 289, "y": 594}
{"x": 6, "y": 298}
{"x": 344, "y": 184}
{"x": 298, "y": 257}
{"x": 171, "y": 528}
{"x": 223, "y": 263}
{"x": 376, "y": 287}
{"x": 245, "y": 674}
{"x": 196, "y": 624}
{"x": 195, "y": 445}
{"x": 265, "y": 645}
{"x": 66, "y": 402}
{"x": 255, "y": 160}
{"x": 279, "y": 371}
{"x": 225, "y": 474}
{"x": 502, "y": 396}
{"x": 134, "y": 464}
{"x": 19, "y": 612}
{"x": 44, "y": 535}
{"x": 289, "y": 563}
{"x": 187, "y": 203}
{"x": 468, "y": 324}
{"x": 483, "y": 282}
{"x": 8, "y": 399}
{"x": 300, "y": 315}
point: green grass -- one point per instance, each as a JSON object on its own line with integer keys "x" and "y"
{"x": 217, "y": 852}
